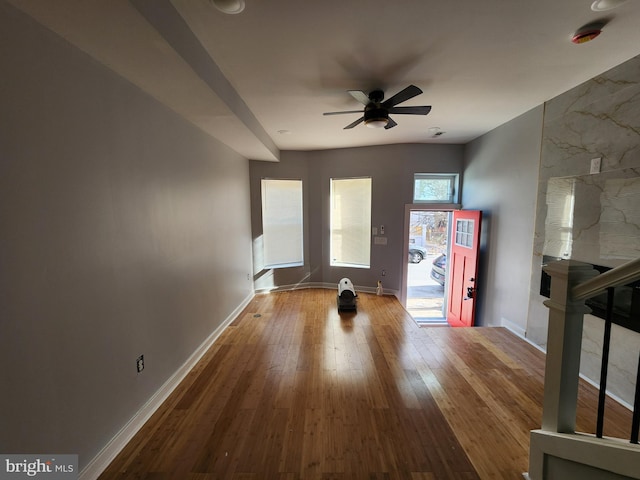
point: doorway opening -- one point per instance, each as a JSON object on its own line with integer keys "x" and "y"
{"x": 426, "y": 278}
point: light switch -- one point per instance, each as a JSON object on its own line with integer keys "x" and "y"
{"x": 596, "y": 163}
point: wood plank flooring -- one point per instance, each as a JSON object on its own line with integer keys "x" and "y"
{"x": 292, "y": 390}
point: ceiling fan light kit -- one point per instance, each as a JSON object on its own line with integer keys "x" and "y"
{"x": 376, "y": 117}
{"x": 376, "y": 112}
{"x": 377, "y": 122}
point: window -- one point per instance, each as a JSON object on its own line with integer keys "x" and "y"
{"x": 435, "y": 188}
{"x": 282, "y": 223}
{"x": 350, "y": 243}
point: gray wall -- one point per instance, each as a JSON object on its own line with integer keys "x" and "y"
{"x": 391, "y": 168}
{"x": 123, "y": 231}
{"x": 501, "y": 178}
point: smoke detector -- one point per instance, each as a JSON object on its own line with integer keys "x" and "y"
{"x": 587, "y": 33}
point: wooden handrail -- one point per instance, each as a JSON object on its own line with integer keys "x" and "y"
{"x": 626, "y": 273}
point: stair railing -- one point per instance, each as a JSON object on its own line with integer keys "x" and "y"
{"x": 608, "y": 281}
{"x": 572, "y": 283}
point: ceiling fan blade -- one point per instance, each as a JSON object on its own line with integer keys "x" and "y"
{"x": 402, "y": 96}
{"x": 357, "y": 122}
{"x": 340, "y": 113}
{"x": 360, "y": 96}
{"x": 411, "y": 110}
{"x": 390, "y": 124}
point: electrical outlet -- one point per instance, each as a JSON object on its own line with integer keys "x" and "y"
{"x": 596, "y": 163}
{"x": 140, "y": 363}
{"x": 384, "y": 272}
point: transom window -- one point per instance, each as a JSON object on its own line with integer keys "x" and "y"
{"x": 435, "y": 188}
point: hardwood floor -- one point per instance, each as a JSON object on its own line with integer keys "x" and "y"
{"x": 292, "y": 390}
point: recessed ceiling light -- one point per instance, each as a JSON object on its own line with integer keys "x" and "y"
{"x": 229, "y": 6}
{"x": 604, "y": 5}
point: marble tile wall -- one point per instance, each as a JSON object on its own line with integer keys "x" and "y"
{"x": 593, "y": 218}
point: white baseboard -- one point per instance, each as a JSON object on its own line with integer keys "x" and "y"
{"x": 609, "y": 394}
{"x": 513, "y": 327}
{"x": 296, "y": 286}
{"x": 329, "y": 286}
{"x": 518, "y": 332}
{"x": 101, "y": 461}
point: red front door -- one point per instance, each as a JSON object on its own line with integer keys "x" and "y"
{"x": 463, "y": 267}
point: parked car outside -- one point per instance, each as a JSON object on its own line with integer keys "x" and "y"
{"x": 417, "y": 253}
{"x": 439, "y": 267}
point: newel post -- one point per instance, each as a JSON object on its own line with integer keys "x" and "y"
{"x": 564, "y": 343}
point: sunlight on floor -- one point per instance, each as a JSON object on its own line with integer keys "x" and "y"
{"x": 425, "y": 309}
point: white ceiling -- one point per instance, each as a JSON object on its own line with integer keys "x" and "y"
{"x": 281, "y": 63}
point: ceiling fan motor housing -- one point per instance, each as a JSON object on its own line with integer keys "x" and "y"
{"x": 376, "y": 96}
{"x": 374, "y": 112}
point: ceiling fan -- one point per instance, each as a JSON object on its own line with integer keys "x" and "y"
{"x": 376, "y": 111}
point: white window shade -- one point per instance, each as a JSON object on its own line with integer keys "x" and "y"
{"x": 282, "y": 225}
{"x": 351, "y": 222}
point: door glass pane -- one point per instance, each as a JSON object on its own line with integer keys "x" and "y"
{"x": 464, "y": 233}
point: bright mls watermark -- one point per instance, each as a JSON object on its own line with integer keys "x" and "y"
{"x": 49, "y": 467}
